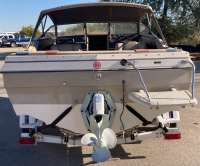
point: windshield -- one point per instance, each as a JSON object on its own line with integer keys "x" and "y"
{"x": 49, "y": 34}
{"x": 144, "y": 31}
{"x": 97, "y": 28}
{"x": 70, "y": 29}
{"x": 123, "y": 28}
{"x": 1, "y": 36}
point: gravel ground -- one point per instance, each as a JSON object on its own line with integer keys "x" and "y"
{"x": 183, "y": 152}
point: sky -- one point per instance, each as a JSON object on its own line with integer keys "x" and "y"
{"x": 15, "y": 14}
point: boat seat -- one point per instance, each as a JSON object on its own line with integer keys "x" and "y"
{"x": 163, "y": 99}
{"x": 66, "y": 47}
{"x": 132, "y": 45}
{"x": 119, "y": 46}
{"x": 41, "y": 44}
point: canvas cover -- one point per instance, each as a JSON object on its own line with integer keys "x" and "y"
{"x": 97, "y": 12}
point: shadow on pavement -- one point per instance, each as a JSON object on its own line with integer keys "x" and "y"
{"x": 118, "y": 153}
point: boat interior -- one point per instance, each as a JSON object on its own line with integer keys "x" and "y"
{"x": 133, "y": 36}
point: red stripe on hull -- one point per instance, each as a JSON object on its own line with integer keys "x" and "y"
{"x": 53, "y": 52}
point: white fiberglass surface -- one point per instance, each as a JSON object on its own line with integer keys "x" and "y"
{"x": 74, "y": 121}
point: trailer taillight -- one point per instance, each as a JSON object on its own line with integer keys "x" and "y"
{"x": 173, "y": 136}
{"x": 27, "y": 141}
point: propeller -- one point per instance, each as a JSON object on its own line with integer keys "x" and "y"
{"x": 101, "y": 155}
{"x": 101, "y": 144}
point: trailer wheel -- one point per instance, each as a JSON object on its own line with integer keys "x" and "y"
{"x": 173, "y": 125}
{"x": 13, "y": 44}
{"x": 0, "y": 44}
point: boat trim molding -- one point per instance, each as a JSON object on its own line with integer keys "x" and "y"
{"x": 38, "y": 71}
{"x": 94, "y": 60}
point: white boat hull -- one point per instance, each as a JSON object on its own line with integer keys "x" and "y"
{"x": 74, "y": 121}
{"x": 43, "y": 88}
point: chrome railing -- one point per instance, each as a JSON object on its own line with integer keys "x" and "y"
{"x": 131, "y": 63}
{"x": 182, "y": 62}
{"x": 193, "y": 74}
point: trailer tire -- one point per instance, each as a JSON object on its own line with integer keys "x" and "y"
{"x": 13, "y": 44}
{"x": 173, "y": 125}
{"x": 0, "y": 44}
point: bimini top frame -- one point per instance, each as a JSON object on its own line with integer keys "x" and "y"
{"x": 98, "y": 12}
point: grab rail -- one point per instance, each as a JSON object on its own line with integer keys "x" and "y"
{"x": 193, "y": 74}
{"x": 131, "y": 63}
{"x": 124, "y": 62}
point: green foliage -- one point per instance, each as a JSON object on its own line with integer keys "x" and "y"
{"x": 178, "y": 19}
{"x": 29, "y": 31}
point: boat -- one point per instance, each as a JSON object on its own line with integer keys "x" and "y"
{"x": 100, "y": 76}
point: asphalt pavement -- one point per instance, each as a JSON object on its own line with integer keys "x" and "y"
{"x": 154, "y": 152}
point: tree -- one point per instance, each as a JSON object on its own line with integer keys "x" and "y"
{"x": 178, "y": 19}
{"x": 29, "y": 31}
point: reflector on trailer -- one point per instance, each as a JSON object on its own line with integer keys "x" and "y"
{"x": 27, "y": 141}
{"x": 173, "y": 136}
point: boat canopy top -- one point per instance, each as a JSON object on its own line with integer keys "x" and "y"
{"x": 97, "y": 12}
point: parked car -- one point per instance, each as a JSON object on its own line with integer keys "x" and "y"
{"x": 18, "y": 40}
{"x": 4, "y": 37}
